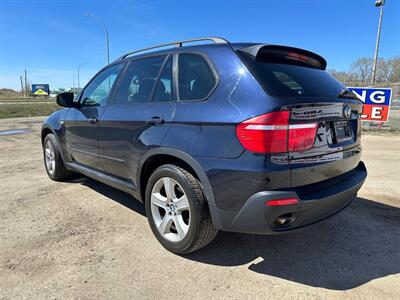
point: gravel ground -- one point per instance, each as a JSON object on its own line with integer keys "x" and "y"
{"x": 85, "y": 240}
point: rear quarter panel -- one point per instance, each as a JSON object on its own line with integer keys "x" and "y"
{"x": 207, "y": 128}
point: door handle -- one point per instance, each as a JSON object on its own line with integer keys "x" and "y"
{"x": 154, "y": 121}
{"x": 92, "y": 120}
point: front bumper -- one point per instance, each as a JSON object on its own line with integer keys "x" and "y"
{"x": 316, "y": 202}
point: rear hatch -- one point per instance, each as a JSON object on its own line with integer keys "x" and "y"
{"x": 321, "y": 116}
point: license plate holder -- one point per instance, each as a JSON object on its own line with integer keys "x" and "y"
{"x": 342, "y": 131}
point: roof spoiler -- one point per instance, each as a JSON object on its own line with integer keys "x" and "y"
{"x": 275, "y": 53}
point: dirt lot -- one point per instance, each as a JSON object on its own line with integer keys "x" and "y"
{"x": 85, "y": 240}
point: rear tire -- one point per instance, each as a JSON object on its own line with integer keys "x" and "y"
{"x": 177, "y": 211}
{"x": 53, "y": 162}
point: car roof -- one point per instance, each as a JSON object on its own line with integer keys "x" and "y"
{"x": 251, "y": 48}
{"x": 234, "y": 46}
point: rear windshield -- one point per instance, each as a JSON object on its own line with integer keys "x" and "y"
{"x": 289, "y": 80}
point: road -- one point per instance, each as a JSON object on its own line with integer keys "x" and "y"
{"x": 82, "y": 239}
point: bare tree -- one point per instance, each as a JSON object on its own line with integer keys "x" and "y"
{"x": 389, "y": 70}
{"x": 360, "y": 72}
{"x": 362, "y": 69}
{"x": 343, "y": 76}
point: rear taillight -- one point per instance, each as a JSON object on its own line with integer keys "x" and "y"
{"x": 272, "y": 133}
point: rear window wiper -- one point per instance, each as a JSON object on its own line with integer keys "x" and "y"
{"x": 347, "y": 94}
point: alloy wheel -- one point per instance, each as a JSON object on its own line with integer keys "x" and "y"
{"x": 50, "y": 157}
{"x": 170, "y": 209}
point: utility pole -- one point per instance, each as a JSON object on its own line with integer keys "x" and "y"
{"x": 22, "y": 85}
{"x": 26, "y": 86}
{"x": 79, "y": 67}
{"x": 378, "y": 3}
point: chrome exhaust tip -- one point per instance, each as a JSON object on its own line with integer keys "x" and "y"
{"x": 285, "y": 219}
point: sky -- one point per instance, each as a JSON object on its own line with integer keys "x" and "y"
{"x": 50, "y": 39}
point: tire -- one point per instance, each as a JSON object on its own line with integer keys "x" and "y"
{"x": 197, "y": 225}
{"x": 56, "y": 169}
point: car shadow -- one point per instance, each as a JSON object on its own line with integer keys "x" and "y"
{"x": 359, "y": 245}
{"x": 116, "y": 195}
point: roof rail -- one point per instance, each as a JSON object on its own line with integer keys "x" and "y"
{"x": 216, "y": 40}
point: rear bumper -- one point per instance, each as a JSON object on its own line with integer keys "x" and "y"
{"x": 320, "y": 202}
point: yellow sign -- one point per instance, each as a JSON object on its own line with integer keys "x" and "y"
{"x": 40, "y": 92}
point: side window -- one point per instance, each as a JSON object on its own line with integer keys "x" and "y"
{"x": 195, "y": 77}
{"x": 97, "y": 91}
{"x": 164, "y": 87}
{"x": 139, "y": 80}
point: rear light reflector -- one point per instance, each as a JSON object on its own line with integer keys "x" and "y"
{"x": 282, "y": 202}
{"x": 272, "y": 133}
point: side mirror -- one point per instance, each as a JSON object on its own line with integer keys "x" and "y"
{"x": 65, "y": 99}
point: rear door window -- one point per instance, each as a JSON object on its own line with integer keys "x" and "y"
{"x": 195, "y": 77}
{"x": 290, "y": 80}
{"x": 139, "y": 80}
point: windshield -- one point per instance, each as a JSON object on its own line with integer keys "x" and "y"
{"x": 289, "y": 80}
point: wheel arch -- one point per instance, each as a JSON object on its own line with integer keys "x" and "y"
{"x": 45, "y": 131}
{"x": 160, "y": 156}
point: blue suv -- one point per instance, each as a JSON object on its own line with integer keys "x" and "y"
{"x": 243, "y": 137}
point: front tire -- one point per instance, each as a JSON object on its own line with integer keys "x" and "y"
{"x": 53, "y": 162}
{"x": 177, "y": 211}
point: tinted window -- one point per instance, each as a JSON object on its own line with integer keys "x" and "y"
{"x": 97, "y": 91}
{"x": 139, "y": 80}
{"x": 196, "y": 79}
{"x": 288, "y": 80}
{"x": 164, "y": 89}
